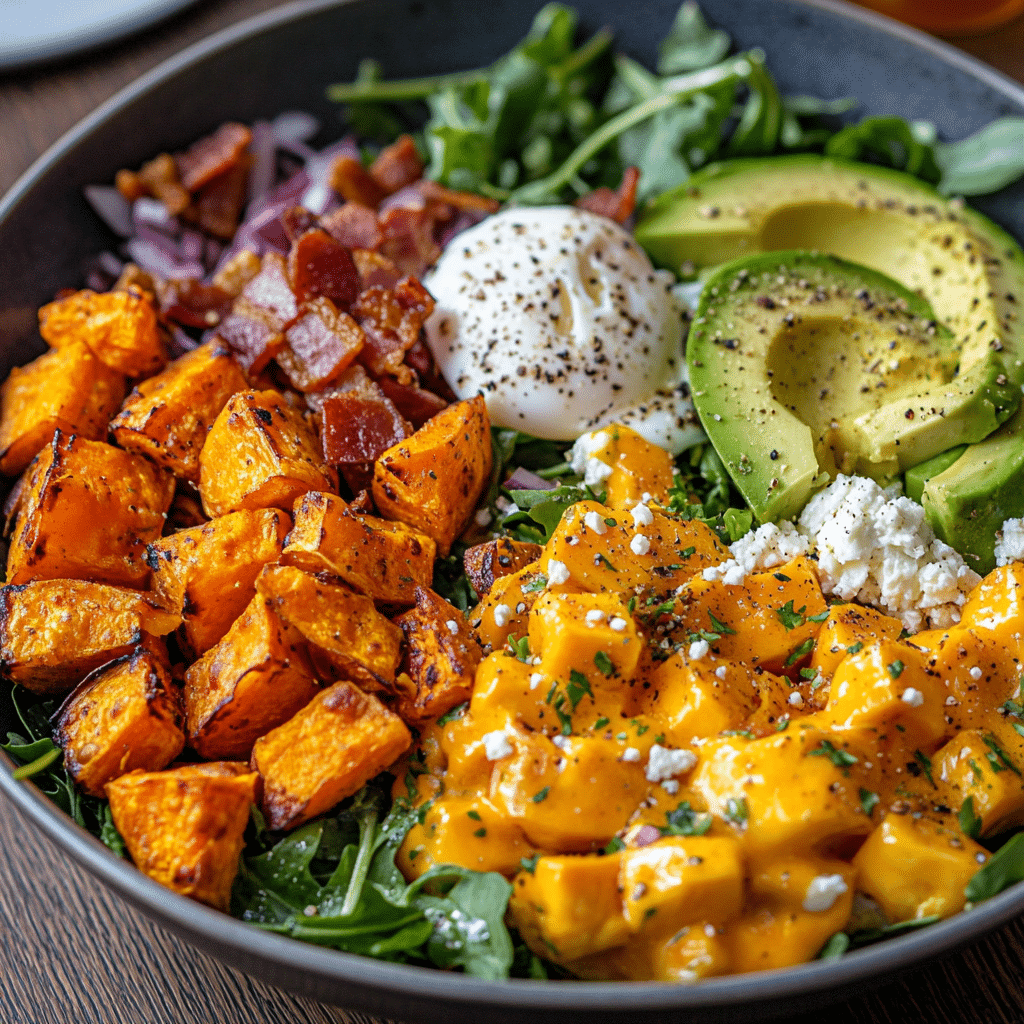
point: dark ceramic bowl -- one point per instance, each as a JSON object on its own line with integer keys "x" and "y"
{"x": 283, "y": 61}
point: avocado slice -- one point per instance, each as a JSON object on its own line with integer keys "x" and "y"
{"x": 969, "y": 270}
{"x": 968, "y": 503}
{"x": 917, "y": 476}
{"x": 803, "y": 365}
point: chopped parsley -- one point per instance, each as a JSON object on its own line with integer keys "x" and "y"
{"x": 455, "y": 714}
{"x": 720, "y": 627}
{"x": 895, "y": 668}
{"x": 840, "y": 758}
{"x": 998, "y": 758}
{"x": 800, "y": 652}
{"x": 685, "y": 821}
{"x": 603, "y": 663}
{"x": 868, "y": 801}
{"x": 855, "y": 648}
{"x": 736, "y": 810}
{"x": 475, "y": 815}
{"x": 578, "y": 688}
{"x": 788, "y": 617}
{"x": 541, "y": 796}
{"x": 529, "y": 863}
{"x": 519, "y": 649}
{"x": 926, "y": 765}
{"x": 970, "y": 823}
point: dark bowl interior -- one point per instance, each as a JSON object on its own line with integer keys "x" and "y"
{"x": 283, "y": 61}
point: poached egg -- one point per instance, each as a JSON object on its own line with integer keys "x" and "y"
{"x": 558, "y": 318}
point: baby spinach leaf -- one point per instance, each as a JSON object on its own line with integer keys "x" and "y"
{"x": 984, "y": 162}
{"x": 1004, "y": 868}
{"x": 907, "y": 146}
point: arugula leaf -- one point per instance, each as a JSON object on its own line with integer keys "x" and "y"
{"x": 907, "y": 146}
{"x": 691, "y": 43}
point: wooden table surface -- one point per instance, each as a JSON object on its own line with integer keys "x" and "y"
{"x": 70, "y": 953}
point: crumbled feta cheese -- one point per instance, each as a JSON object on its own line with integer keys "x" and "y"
{"x": 699, "y": 649}
{"x": 874, "y": 547}
{"x": 665, "y": 762}
{"x": 1010, "y": 542}
{"x": 596, "y": 472}
{"x": 639, "y": 545}
{"x": 592, "y": 521}
{"x": 502, "y": 615}
{"x": 482, "y": 517}
{"x": 453, "y": 626}
{"x": 976, "y": 673}
{"x": 562, "y": 742}
{"x": 594, "y": 616}
{"x": 585, "y": 447}
{"x": 915, "y": 698}
{"x": 796, "y": 699}
{"x": 722, "y": 671}
{"x": 558, "y": 572}
{"x": 631, "y": 754}
{"x": 823, "y": 891}
{"x": 769, "y": 545}
{"x": 536, "y": 678}
{"x": 642, "y": 515}
{"x": 496, "y": 745}
{"x": 618, "y": 623}
{"x": 842, "y": 689}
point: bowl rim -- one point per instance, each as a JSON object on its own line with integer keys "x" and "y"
{"x": 214, "y": 930}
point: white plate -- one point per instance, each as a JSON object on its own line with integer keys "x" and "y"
{"x": 35, "y": 30}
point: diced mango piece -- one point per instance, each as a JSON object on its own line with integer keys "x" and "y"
{"x": 433, "y": 480}
{"x": 985, "y": 765}
{"x": 795, "y": 791}
{"x": 796, "y": 905}
{"x": 997, "y": 602}
{"x": 602, "y": 549}
{"x": 569, "y": 907}
{"x": 128, "y": 716}
{"x": 505, "y": 610}
{"x": 588, "y": 637}
{"x": 637, "y": 466}
{"x": 886, "y": 687}
{"x": 167, "y": 417}
{"x": 384, "y": 560}
{"x": 348, "y": 637}
{"x": 328, "y": 751}
{"x": 120, "y": 327}
{"x": 252, "y": 681}
{"x": 88, "y": 512}
{"x": 185, "y": 827}
{"x": 68, "y": 389}
{"x": 53, "y": 633}
{"x": 260, "y": 453}
{"x": 465, "y": 830}
{"x": 768, "y": 620}
{"x": 681, "y": 880}
{"x": 916, "y": 868}
{"x": 208, "y": 572}
{"x": 850, "y": 625}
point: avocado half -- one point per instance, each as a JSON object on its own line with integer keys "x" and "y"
{"x": 803, "y": 366}
{"x": 967, "y": 268}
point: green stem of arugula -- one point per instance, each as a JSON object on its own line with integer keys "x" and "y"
{"x": 407, "y": 89}
{"x": 326, "y": 933}
{"x": 367, "y": 838}
{"x": 26, "y": 771}
{"x": 675, "y": 91}
{"x": 554, "y": 471}
{"x": 586, "y": 54}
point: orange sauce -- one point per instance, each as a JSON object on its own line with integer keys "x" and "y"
{"x": 949, "y": 17}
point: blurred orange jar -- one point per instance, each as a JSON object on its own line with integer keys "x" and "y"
{"x": 949, "y": 17}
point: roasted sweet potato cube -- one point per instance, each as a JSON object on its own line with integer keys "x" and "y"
{"x": 120, "y": 328}
{"x": 126, "y": 716}
{"x": 53, "y": 633}
{"x": 167, "y": 417}
{"x": 484, "y": 563}
{"x": 257, "y": 677}
{"x": 442, "y": 660}
{"x": 88, "y": 512}
{"x": 260, "y": 453}
{"x": 328, "y": 751}
{"x": 385, "y": 561}
{"x": 434, "y": 479}
{"x": 66, "y": 389}
{"x": 348, "y": 637}
{"x": 321, "y": 345}
{"x": 185, "y": 827}
{"x": 208, "y": 572}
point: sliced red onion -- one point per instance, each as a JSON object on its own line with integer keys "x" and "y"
{"x": 299, "y": 149}
{"x": 345, "y": 146}
{"x": 264, "y": 165}
{"x": 191, "y": 245}
{"x": 111, "y": 207}
{"x": 524, "y": 480}
{"x": 408, "y": 198}
{"x": 110, "y": 264}
{"x": 646, "y": 834}
{"x": 181, "y": 342}
{"x": 151, "y": 257}
{"x": 151, "y": 211}
{"x": 294, "y": 126}
{"x": 212, "y": 250}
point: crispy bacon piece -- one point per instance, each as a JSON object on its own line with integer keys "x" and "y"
{"x": 271, "y": 290}
{"x": 617, "y": 205}
{"x": 466, "y": 202}
{"x": 392, "y": 321}
{"x": 219, "y": 204}
{"x": 158, "y": 178}
{"x": 297, "y": 220}
{"x": 213, "y": 155}
{"x": 353, "y": 225}
{"x": 375, "y": 269}
{"x": 397, "y": 166}
{"x": 409, "y": 235}
{"x": 318, "y": 265}
{"x": 321, "y": 344}
{"x": 416, "y": 404}
{"x": 190, "y": 302}
{"x": 360, "y": 425}
{"x": 353, "y": 182}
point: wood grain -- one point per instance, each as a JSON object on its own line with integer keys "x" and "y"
{"x": 71, "y": 953}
